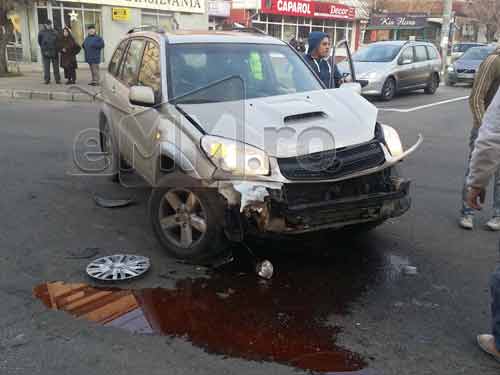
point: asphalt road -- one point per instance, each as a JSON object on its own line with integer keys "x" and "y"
{"x": 398, "y": 324}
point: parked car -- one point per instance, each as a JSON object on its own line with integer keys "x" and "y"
{"x": 386, "y": 68}
{"x": 236, "y": 135}
{"x": 459, "y": 49}
{"x": 464, "y": 69}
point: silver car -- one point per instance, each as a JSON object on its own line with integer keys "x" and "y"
{"x": 236, "y": 135}
{"x": 386, "y": 68}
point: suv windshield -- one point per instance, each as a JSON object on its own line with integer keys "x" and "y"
{"x": 477, "y": 53}
{"x": 377, "y": 53}
{"x": 262, "y": 69}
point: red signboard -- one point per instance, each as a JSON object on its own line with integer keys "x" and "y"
{"x": 312, "y": 9}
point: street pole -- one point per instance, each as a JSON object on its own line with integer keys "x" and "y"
{"x": 445, "y": 31}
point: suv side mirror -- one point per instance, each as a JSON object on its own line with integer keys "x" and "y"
{"x": 142, "y": 96}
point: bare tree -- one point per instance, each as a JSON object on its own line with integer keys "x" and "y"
{"x": 487, "y": 12}
{"x": 7, "y": 28}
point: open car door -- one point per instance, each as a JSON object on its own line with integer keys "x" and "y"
{"x": 349, "y": 78}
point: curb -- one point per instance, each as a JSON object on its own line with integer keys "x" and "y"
{"x": 62, "y": 96}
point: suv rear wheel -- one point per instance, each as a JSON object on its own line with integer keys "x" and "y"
{"x": 188, "y": 223}
{"x": 432, "y": 85}
{"x": 110, "y": 150}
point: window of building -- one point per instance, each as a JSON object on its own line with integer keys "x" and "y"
{"x": 132, "y": 62}
{"x": 421, "y": 53}
{"x": 158, "y": 18}
{"x": 150, "y": 72}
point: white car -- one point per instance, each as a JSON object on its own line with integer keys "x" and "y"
{"x": 236, "y": 135}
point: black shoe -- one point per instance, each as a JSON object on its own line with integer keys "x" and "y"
{"x": 92, "y": 84}
{"x": 68, "y": 82}
{"x": 47, "y": 82}
{"x": 58, "y": 82}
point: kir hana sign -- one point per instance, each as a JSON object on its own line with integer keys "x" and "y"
{"x": 312, "y": 9}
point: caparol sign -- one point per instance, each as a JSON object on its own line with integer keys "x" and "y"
{"x": 313, "y": 9}
{"x": 399, "y": 20}
{"x": 189, "y": 6}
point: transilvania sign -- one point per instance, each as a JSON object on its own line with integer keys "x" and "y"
{"x": 399, "y": 20}
{"x": 312, "y": 9}
{"x": 189, "y": 6}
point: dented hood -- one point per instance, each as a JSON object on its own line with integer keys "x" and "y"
{"x": 291, "y": 125}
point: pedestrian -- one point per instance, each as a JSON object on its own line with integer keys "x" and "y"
{"x": 317, "y": 56}
{"x": 93, "y": 44}
{"x": 486, "y": 85}
{"x": 485, "y": 161}
{"x": 69, "y": 48}
{"x": 47, "y": 40}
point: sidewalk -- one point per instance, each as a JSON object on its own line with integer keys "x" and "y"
{"x": 31, "y": 86}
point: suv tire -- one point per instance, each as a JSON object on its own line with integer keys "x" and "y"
{"x": 432, "y": 85}
{"x": 108, "y": 145}
{"x": 188, "y": 222}
{"x": 388, "y": 90}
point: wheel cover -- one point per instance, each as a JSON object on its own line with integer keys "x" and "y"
{"x": 107, "y": 148}
{"x": 182, "y": 218}
{"x": 118, "y": 267}
{"x": 388, "y": 89}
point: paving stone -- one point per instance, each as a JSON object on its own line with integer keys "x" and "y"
{"x": 81, "y": 97}
{"x": 62, "y": 96}
{"x": 40, "y": 95}
{"x": 5, "y": 93}
{"x": 22, "y": 94}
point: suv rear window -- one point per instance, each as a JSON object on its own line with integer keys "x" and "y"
{"x": 433, "y": 54}
{"x": 117, "y": 56}
{"x": 421, "y": 53}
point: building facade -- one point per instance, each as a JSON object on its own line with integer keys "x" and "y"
{"x": 112, "y": 19}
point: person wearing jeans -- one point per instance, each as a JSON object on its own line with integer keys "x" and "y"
{"x": 485, "y": 161}
{"x": 48, "y": 40}
{"x": 93, "y": 44}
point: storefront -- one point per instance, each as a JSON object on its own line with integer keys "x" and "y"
{"x": 288, "y": 19}
{"x": 402, "y": 26}
{"x": 112, "y": 19}
{"x": 218, "y": 13}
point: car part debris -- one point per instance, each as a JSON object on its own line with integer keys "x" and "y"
{"x": 265, "y": 269}
{"x": 112, "y": 203}
{"x": 118, "y": 267}
{"x": 86, "y": 253}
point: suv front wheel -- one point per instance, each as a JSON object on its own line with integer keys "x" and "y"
{"x": 388, "y": 90}
{"x": 432, "y": 85}
{"x": 188, "y": 223}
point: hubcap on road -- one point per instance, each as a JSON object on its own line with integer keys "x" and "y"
{"x": 118, "y": 267}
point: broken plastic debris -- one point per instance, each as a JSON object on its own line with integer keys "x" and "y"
{"x": 112, "y": 203}
{"x": 265, "y": 269}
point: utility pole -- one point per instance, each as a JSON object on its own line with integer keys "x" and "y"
{"x": 445, "y": 31}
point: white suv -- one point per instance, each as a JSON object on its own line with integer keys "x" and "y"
{"x": 236, "y": 135}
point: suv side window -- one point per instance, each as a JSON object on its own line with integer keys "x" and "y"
{"x": 433, "y": 54}
{"x": 421, "y": 54}
{"x": 407, "y": 54}
{"x": 150, "y": 71}
{"x": 114, "y": 64}
{"x": 132, "y": 62}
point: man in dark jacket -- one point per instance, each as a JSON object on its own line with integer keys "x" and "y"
{"x": 93, "y": 44}
{"x": 317, "y": 56}
{"x": 47, "y": 40}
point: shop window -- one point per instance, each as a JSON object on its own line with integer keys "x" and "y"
{"x": 292, "y": 20}
{"x": 160, "y": 19}
{"x": 260, "y": 26}
{"x": 150, "y": 72}
{"x": 303, "y": 32}
{"x": 274, "y": 30}
{"x": 340, "y": 35}
{"x": 130, "y": 68}
{"x": 289, "y": 32}
{"x": 274, "y": 18}
{"x": 43, "y": 17}
{"x": 317, "y": 28}
{"x": 117, "y": 57}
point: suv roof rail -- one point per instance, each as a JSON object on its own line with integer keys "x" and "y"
{"x": 245, "y": 29}
{"x": 152, "y": 28}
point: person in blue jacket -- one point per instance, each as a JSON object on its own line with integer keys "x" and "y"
{"x": 93, "y": 44}
{"x": 318, "y": 54}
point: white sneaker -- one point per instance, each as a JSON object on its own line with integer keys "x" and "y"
{"x": 467, "y": 222}
{"x": 494, "y": 224}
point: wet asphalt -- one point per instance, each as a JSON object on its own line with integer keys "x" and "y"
{"x": 336, "y": 303}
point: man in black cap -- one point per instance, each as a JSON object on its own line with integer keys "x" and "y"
{"x": 93, "y": 44}
{"x": 47, "y": 40}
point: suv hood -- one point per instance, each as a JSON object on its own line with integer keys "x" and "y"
{"x": 291, "y": 125}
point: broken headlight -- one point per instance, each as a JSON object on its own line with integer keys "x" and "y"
{"x": 392, "y": 141}
{"x": 235, "y": 157}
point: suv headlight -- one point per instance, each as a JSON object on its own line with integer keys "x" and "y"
{"x": 235, "y": 157}
{"x": 392, "y": 141}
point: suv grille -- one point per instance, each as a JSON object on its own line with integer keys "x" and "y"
{"x": 334, "y": 163}
{"x": 470, "y": 71}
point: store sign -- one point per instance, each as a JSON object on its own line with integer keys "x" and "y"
{"x": 189, "y": 6}
{"x": 399, "y": 20}
{"x": 120, "y": 14}
{"x": 219, "y": 8}
{"x": 313, "y": 9}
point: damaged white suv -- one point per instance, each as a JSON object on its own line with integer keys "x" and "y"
{"x": 237, "y": 135}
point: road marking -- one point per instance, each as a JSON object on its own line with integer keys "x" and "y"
{"x": 408, "y": 110}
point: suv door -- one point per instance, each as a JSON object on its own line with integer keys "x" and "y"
{"x": 127, "y": 77}
{"x": 423, "y": 65}
{"x": 406, "y": 68}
